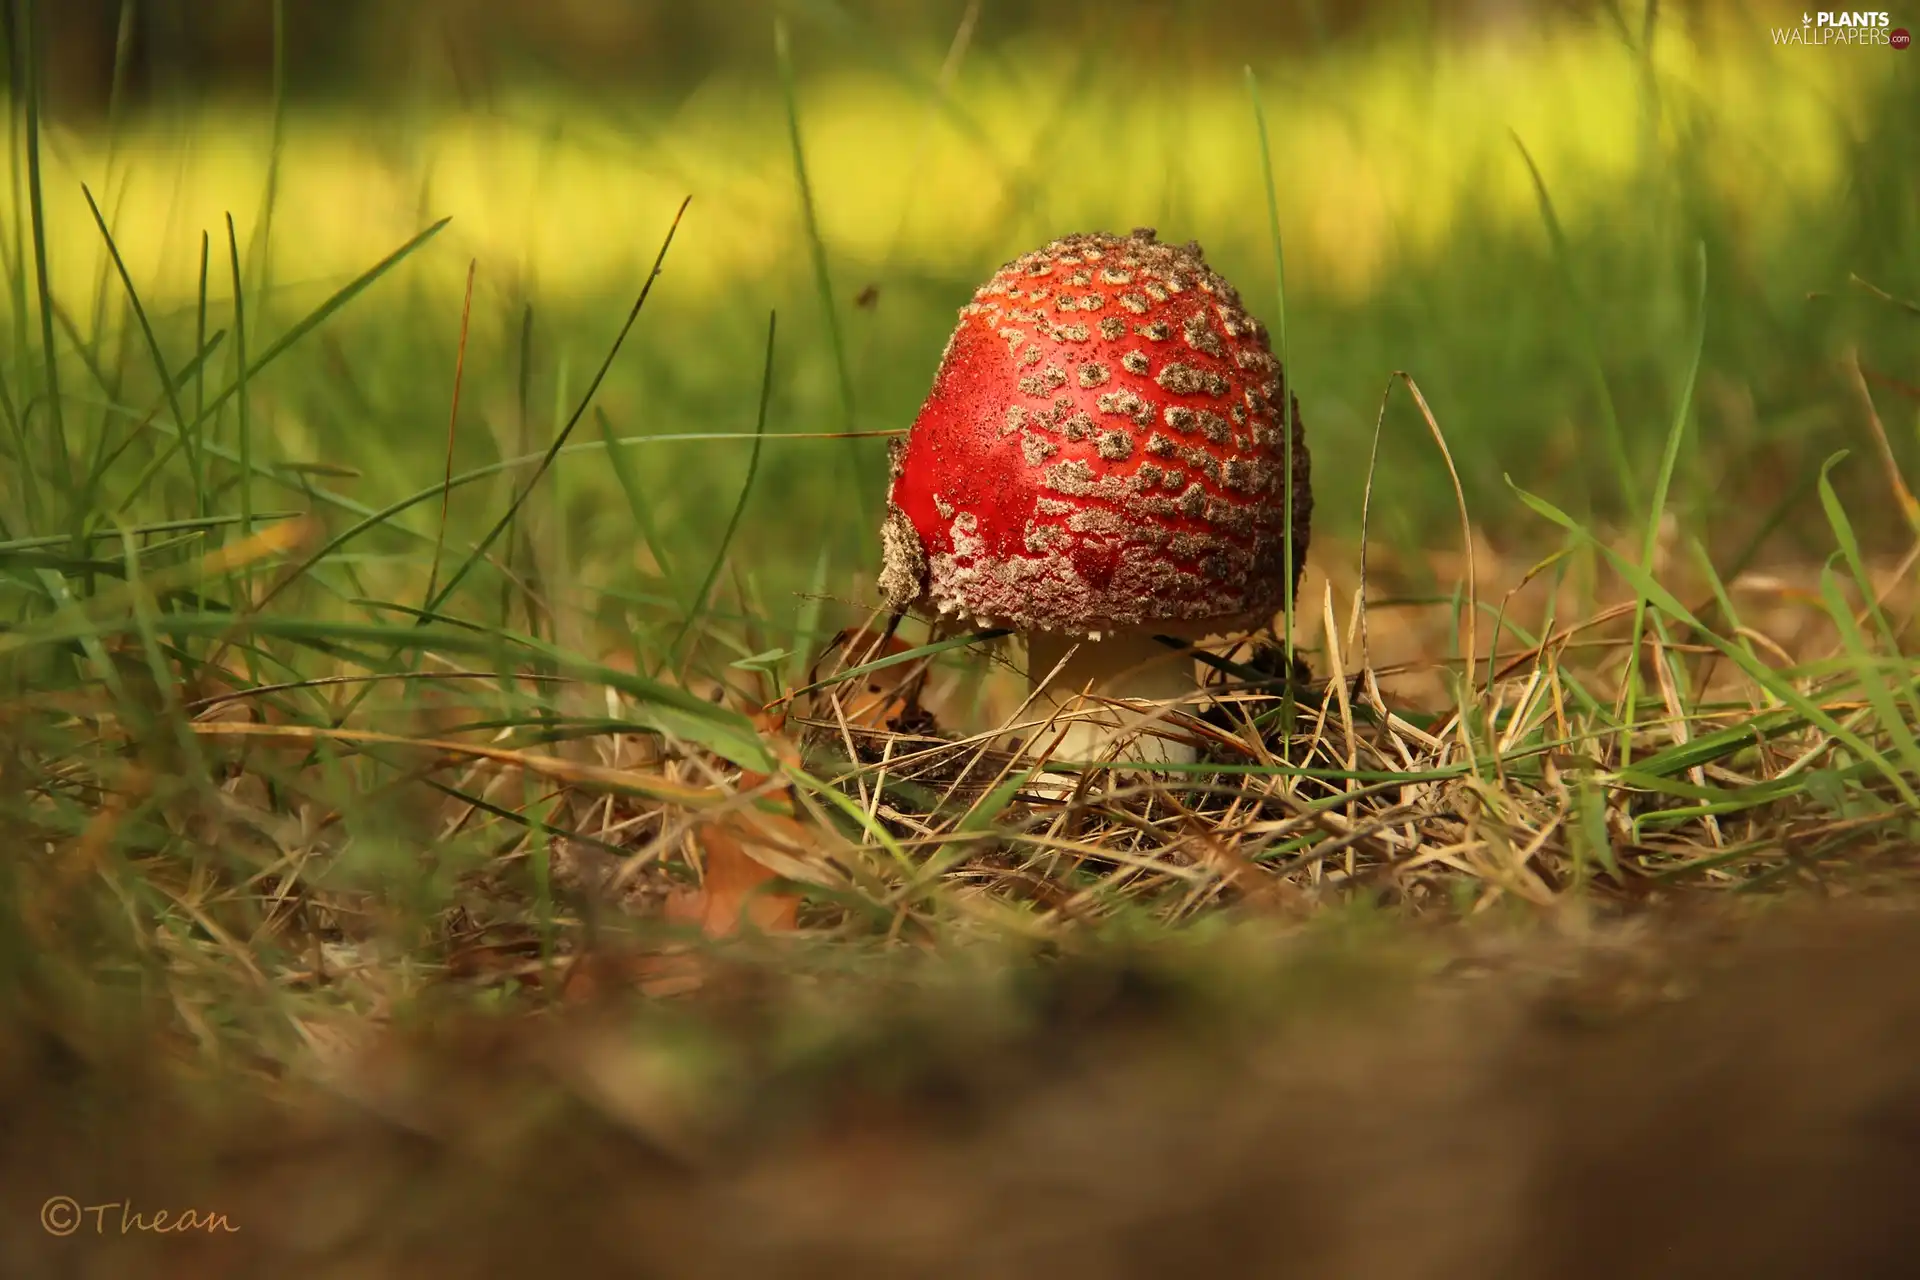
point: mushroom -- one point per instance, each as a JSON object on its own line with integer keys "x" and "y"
{"x": 1100, "y": 460}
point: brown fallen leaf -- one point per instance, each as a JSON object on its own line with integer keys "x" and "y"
{"x": 734, "y": 884}
{"x": 604, "y": 974}
{"x": 736, "y": 887}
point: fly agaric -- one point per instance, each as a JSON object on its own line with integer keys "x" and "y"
{"x": 1100, "y": 460}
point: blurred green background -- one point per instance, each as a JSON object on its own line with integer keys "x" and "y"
{"x": 941, "y": 138}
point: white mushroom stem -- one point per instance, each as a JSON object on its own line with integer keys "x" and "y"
{"x": 1129, "y": 665}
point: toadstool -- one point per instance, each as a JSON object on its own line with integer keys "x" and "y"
{"x": 1100, "y": 460}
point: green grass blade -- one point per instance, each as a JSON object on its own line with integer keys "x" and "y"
{"x": 260, "y": 247}
{"x": 369, "y": 518}
{"x": 1287, "y": 380}
{"x": 806, "y": 624}
{"x": 322, "y": 313}
{"x": 1721, "y": 744}
{"x": 1593, "y": 838}
{"x": 122, "y": 65}
{"x": 1767, "y": 677}
{"x": 1873, "y": 685}
{"x": 667, "y": 707}
{"x": 241, "y": 398}
{"x": 699, "y": 603}
{"x": 169, "y": 386}
{"x": 560, "y": 437}
{"x": 637, "y": 505}
{"x": 194, "y": 525}
{"x": 99, "y": 515}
{"x": 1662, "y": 485}
{"x": 853, "y": 33}
{"x": 1563, "y": 262}
{"x": 95, "y": 507}
{"x": 1857, "y": 565}
{"x": 871, "y": 827}
{"x": 1722, "y": 598}
{"x": 27, "y": 32}
{"x": 979, "y": 823}
{"x": 158, "y": 666}
{"x": 1660, "y": 784}
{"x": 817, "y": 250}
{"x": 25, "y": 471}
{"x": 200, "y": 326}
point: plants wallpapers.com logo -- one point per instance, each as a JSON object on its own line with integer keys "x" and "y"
{"x": 1844, "y": 28}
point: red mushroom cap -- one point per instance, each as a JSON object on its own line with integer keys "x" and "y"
{"x": 1102, "y": 448}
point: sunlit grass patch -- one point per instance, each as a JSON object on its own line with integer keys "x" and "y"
{"x": 1385, "y": 151}
{"x": 1412, "y": 223}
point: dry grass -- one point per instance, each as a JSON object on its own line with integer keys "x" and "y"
{"x": 544, "y": 843}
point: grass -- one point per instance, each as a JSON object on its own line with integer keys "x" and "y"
{"x": 317, "y": 714}
{"x": 1405, "y": 204}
